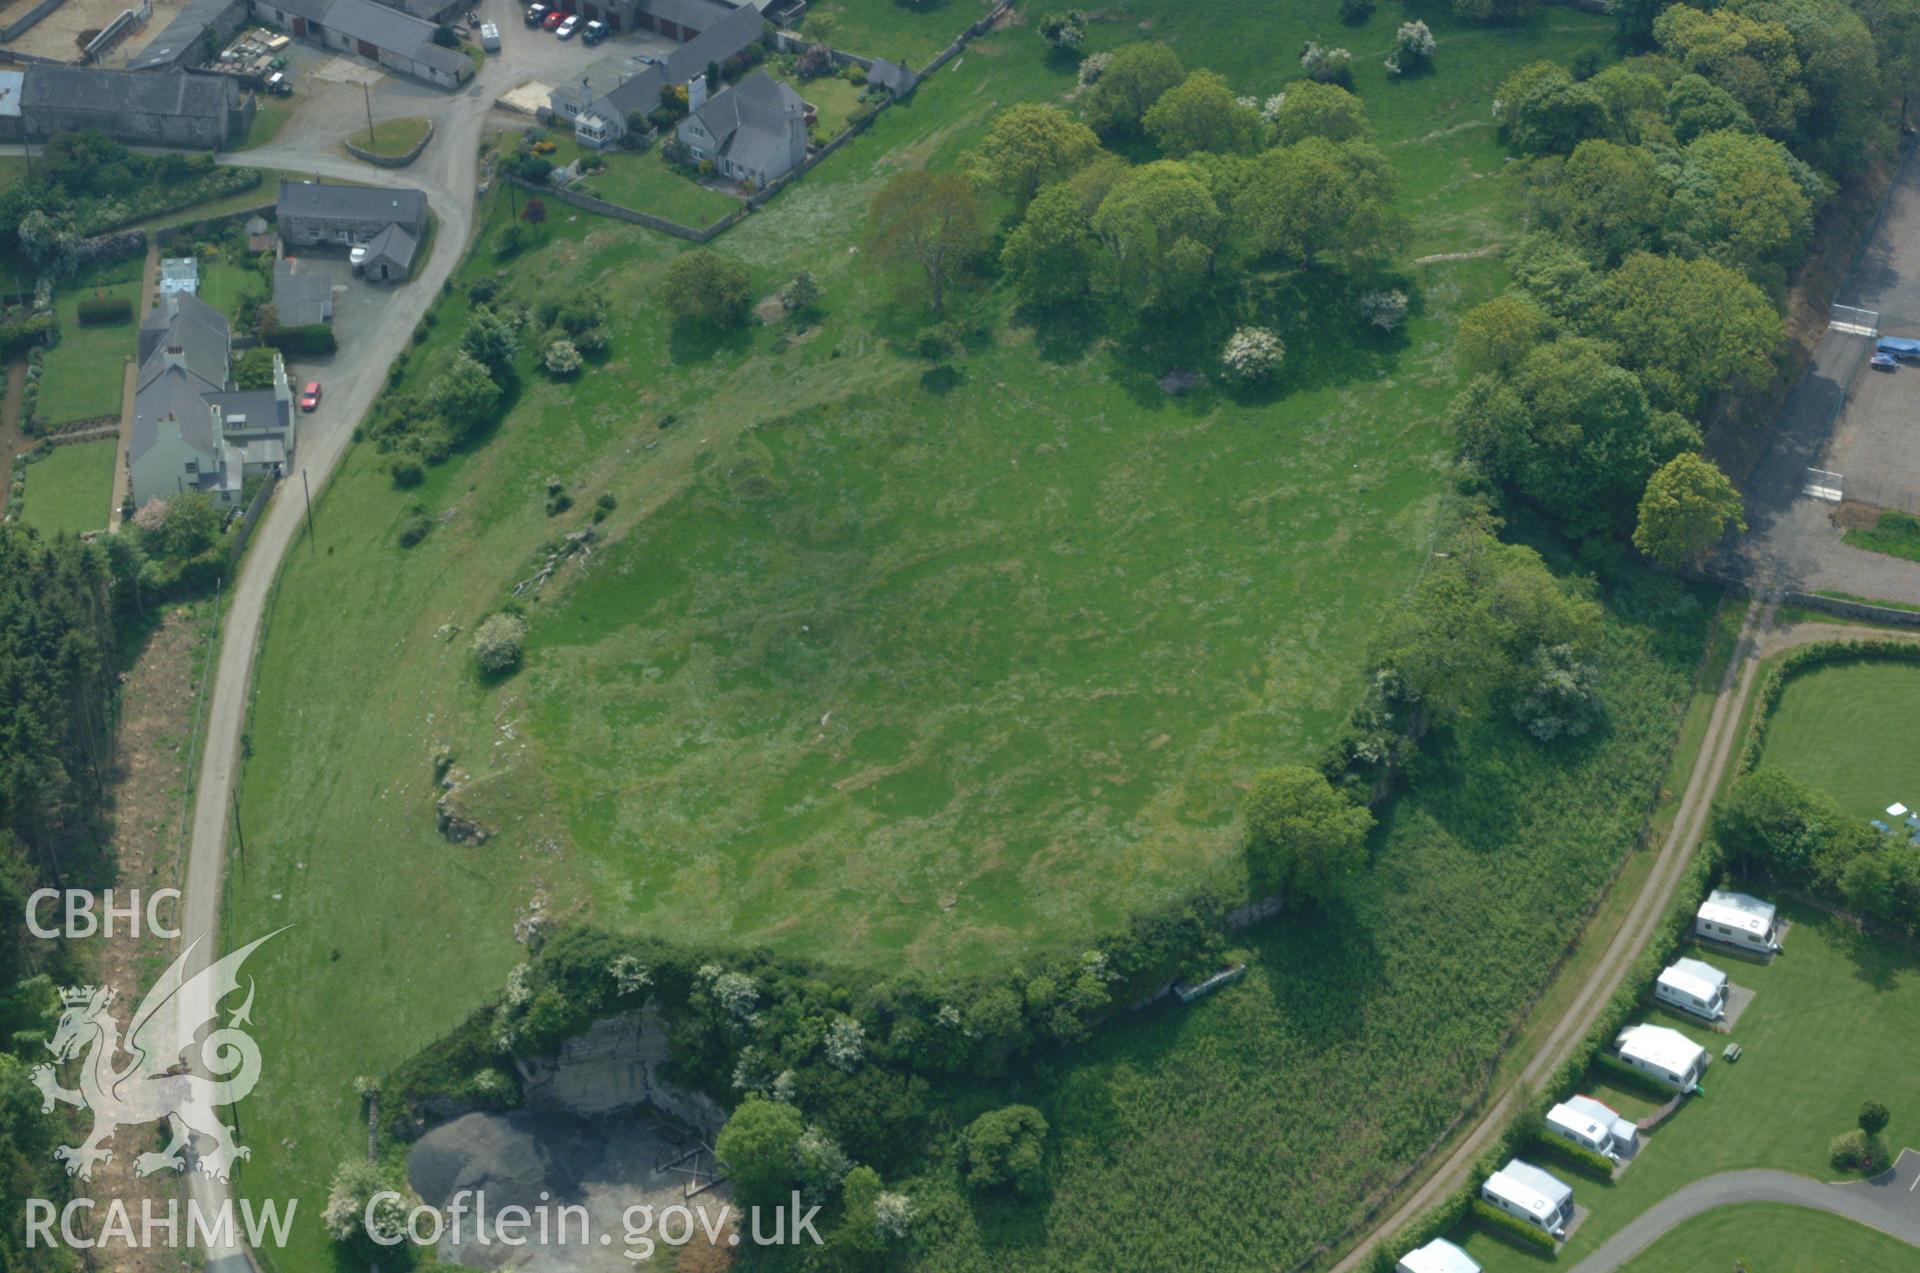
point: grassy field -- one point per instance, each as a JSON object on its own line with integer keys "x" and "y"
{"x": 1767, "y": 1238}
{"x": 916, "y": 671}
{"x": 1896, "y": 534}
{"x": 1832, "y": 1023}
{"x": 391, "y": 137}
{"x": 912, "y": 34}
{"x": 83, "y": 373}
{"x": 269, "y": 117}
{"x": 71, "y": 490}
{"x": 1853, "y": 731}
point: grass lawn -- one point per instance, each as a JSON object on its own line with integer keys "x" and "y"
{"x": 919, "y": 672}
{"x": 1768, "y": 1238}
{"x": 269, "y": 117}
{"x": 643, "y": 183}
{"x": 224, "y": 285}
{"x": 83, "y": 372}
{"x": 833, "y": 100}
{"x": 1896, "y": 534}
{"x": 1851, "y": 730}
{"x": 71, "y": 490}
{"x": 391, "y": 137}
{"x": 1833, "y": 1022}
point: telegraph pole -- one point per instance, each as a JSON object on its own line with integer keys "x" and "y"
{"x": 238, "y": 836}
{"x": 366, "y": 91}
{"x": 308, "y": 492}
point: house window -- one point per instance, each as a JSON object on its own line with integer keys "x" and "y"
{"x": 193, "y": 466}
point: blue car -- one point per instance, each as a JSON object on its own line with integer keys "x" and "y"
{"x": 1884, "y": 362}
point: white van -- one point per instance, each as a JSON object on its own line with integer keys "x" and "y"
{"x": 489, "y": 37}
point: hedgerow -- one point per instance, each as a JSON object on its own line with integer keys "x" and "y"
{"x": 1511, "y": 1227}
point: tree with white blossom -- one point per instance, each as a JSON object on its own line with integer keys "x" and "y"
{"x": 1252, "y": 354}
{"x": 1413, "y": 47}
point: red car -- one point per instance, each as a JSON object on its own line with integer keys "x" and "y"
{"x": 553, "y": 19}
{"x": 311, "y": 398}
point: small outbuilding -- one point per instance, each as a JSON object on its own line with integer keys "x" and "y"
{"x": 1665, "y": 1055}
{"x": 1527, "y": 1193}
{"x": 1437, "y": 1256}
{"x": 1693, "y": 986}
{"x": 179, "y": 274}
{"x": 390, "y": 255}
{"x": 1622, "y": 1131}
{"x": 1738, "y": 920}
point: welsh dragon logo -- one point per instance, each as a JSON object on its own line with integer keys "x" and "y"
{"x": 157, "y": 1079}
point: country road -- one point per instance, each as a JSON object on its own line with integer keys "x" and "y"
{"x": 447, "y": 174}
{"x": 1758, "y": 640}
{"x": 1887, "y": 1203}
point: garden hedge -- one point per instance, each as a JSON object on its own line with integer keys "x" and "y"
{"x": 1797, "y": 661}
{"x": 105, "y": 309}
{"x": 1578, "y": 1157}
{"x": 1512, "y": 1228}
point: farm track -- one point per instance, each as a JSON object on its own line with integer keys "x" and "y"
{"x": 1758, "y": 640}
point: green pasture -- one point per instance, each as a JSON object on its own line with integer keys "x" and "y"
{"x": 1851, "y": 730}
{"x": 1832, "y": 1023}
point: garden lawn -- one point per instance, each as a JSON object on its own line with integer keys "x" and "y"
{"x": 1767, "y": 1238}
{"x": 832, "y": 98}
{"x": 225, "y": 285}
{"x": 645, "y": 184}
{"x": 1851, "y": 730}
{"x": 84, "y": 372}
{"x": 1833, "y": 1022}
{"x": 922, "y": 667}
{"x": 71, "y": 490}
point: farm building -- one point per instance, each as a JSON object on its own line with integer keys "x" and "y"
{"x": 1693, "y": 986}
{"x": 157, "y": 108}
{"x": 1437, "y": 1256}
{"x": 302, "y": 292}
{"x": 1527, "y": 1193}
{"x": 1738, "y": 920}
{"x": 1664, "y": 1055}
{"x": 615, "y": 88}
{"x": 1582, "y": 1129}
{"x": 389, "y": 256}
{"x": 194, "y": 36}
{"x": 396, "y": 40}
{"x": 1623, "y": 1132}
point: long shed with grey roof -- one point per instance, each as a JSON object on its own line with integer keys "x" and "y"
{"x": 316, "y": 213}
{"x": 378, "y": 32}
{"x": 153, "y": 108}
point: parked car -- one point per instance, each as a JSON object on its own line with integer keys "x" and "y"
{"x": 279, "y": 85}
{"x": 537, "y": 14}
{"x": 594, "y": 32}
{"x": 567, "y": 27}
{"x": 489, "y": 37}
{"x": 1885, "y": 362}
{"x": 554, "y": 19}
{"x": 357, "y": 254}
{"x": 310, "y": 399}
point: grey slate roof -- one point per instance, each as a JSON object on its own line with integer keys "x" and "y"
{"x": 696, "y": 15}
{"x": 352, "y": 203}
{"x": 126, "y": 92}
{"x": 749, "y": 121}
{"x": 378, "y": 25}
{"x": 447, "y": 61}
{"x": 199, "y": 329}
{"x": 735, "y": 30}
{"x": 259, "y": 408}
{"x": 302, "y": 292}
{"x": 179, "y": 40}
{"x": 891, "y": 76}
{"x": 394, "y": 246}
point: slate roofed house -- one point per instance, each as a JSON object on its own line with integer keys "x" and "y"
{"x": 156, "y": 108}
{"x": 313, "y": 213}
{"x": 755, "y": 131}
{"x": 302, "y": 292}
{"x": 599, "y": 113}
{"x": 193, "y": 430}
{"x": 393, "y": 38}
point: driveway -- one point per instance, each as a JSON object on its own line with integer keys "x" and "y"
{"x": 1888, "y": 1203}
{"x": 1845, "y": 419}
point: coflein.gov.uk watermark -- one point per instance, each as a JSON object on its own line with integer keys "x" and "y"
{"x": 466, "y": 1220}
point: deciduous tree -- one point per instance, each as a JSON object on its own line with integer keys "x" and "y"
{"x": 1303, "y": 838}
{"x": 1202, "y": 113}
{"x": 1135, "y": 77}
{"x": 1689, "y": 504}
{"x": 929, "y": 223}
{"x": 1030, "y": 145}
{"x": 706, "y": 287}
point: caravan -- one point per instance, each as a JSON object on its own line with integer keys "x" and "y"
{"x": 1693, "y": 986}
{"x": 1527, "y": 1193}
{"x": 1667, "y": 1056}
{"x": 1583, "y": 1129}
{"x": 1738, "y": 920}
{"x": 1437, "y": 1256}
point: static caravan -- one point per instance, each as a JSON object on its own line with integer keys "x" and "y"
{"x": 1583, "y": 1130}
{"x": 1623, "y": 1132}
{"x": 1693, "y": 986}
{"x": 1738, "y": 920}
{"x": 1663, "y": 1054}
{"x": 1527, "y": 1193}
{"x": 1437, "y": 1256}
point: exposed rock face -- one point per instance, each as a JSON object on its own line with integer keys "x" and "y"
{"x": 612, "y": 1066}
{"x": 453, "y": 819}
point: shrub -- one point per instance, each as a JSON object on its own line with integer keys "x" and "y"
{"x": 1005, "y": 1148}
{"x": 311, "y": 340}
{"x": 407, "y": 473}
{"x": 1327, "y": 66}
{"x": 1354, "y": 12}
{"x": 498, "y": 641}
{"x": 604, "y": 505}
{"x": 1579, "y": 1156}
{"x": 561, "y": 359}
{"x": 1413, "y": 47}
{"x": 1252, "y": 354}
{"x": 1385, "y": 309}
{"x": 1512, "y": 1227}
{"x": 1873, "y": 1117}
{"x": 105, "y": 309}
{"x": 1855, "y": 1151}
{"x": 415, "y": 528}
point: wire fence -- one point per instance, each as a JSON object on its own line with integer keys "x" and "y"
{"x": 1882, "y": 492}
{"x": 1854, "y": 321}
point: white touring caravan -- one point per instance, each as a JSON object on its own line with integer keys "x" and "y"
{"x": 1665, "y": 1055}
{"x": 1693, "y": 986}
{"x": 1527, "y": 1193}
{"x": 1437, "y": 1256}
{"x": 1584, "y": 1130}
{"x": 1623, "y": 1132}
{"x": 1738, "y": 920}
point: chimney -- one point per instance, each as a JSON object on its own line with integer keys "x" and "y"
{"x": 175, "y": 356}
{"x": 697, "y": 92}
